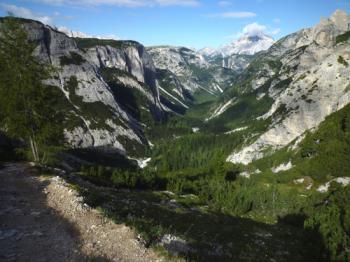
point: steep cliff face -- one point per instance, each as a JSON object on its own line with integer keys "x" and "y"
{"x": 108, "y": 88}
{"x": 236, "y": 62}
{"x": 306, "y": 75}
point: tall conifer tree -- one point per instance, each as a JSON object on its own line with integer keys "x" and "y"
{"x": 25, "y": 100}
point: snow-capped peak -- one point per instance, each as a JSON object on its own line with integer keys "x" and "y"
{"x": 207, "y": 51}
{"x": 248, "y": 44}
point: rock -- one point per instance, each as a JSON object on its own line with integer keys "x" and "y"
{"x": 35, "y": 213}
{"x": 111, "y": 130}
{"x": 37, "y": 234}
{"x": 343, "y": 181}
{"x": 282, "y": 167}
{"x": 315, "y": 86}
{"x": 180, "y": 66}
{"x": 174, "y": 245}
{"x": 4, "y": 234}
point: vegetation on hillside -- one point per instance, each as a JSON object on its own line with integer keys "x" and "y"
{"x": 224, "y": 211}
{"x": 86, "y": 43}
{"x": 25, "y": 102}
{"x": 194, "y": 164}
{"x": 343, "y": 38}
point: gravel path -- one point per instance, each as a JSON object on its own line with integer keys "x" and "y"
{"x": 43, "y": 219}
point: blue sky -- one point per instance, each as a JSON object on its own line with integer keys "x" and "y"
{"x": 192, "y": 23}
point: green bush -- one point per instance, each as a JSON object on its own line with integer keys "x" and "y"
{"x": 343, "y": 38}
{"x": 73, "y": 59}
{"x": 342, "y": 61}
{"x": 331, "y": 219}
{"x": 86, "y": 43}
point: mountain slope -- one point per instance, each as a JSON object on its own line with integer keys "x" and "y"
{"x": 185, "y": 74}
{"x": 107, "y": 89}
{"x": 306, "y": 77}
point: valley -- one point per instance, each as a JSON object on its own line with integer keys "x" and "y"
{"x": 235, "y": 154}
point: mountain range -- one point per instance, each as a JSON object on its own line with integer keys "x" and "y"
{"x": 258, "y": 129}
{"x": 248, "y": 44}
{"x": 131, "y": 85}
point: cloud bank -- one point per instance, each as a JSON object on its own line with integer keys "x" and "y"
{"x": 124, "y": 3}
{"x": 233, "y": 15}
{"x": 26, "y": 13}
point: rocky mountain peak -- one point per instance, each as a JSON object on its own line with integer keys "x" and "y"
{"x": 255, "y": 38}
{"x": 328, "y": 29}
{"x": 307, "y": 94}
{"x": 247, "y": 44}
{"x": 341, "y": 19}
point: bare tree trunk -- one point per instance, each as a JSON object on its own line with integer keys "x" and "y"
{"x": 43, "y": 159}
{"x": 32, "y": 146}
{"x": 36, "y": 150}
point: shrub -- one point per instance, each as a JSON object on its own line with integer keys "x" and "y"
{"x": 332, "y": 220}
{"x": 342, "y": 61}
{"x": 342, "y": 38}
{"x": 73, "y": 59}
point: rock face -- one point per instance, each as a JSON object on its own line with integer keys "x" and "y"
{"x": 183, "y": 72}
{"x": 236, "y": 62}
{"x": 308, "y": 80}
{"x": 106, "y": 87}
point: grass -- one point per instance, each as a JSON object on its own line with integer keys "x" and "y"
{"x": 268, "y": 197}
{"x": 211, "y": 235}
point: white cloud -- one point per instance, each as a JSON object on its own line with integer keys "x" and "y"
{"x": 233, "y": 15}
{"x": 19, "y": 11}
{"x": 275, "y": 31}
{"x": 124, "y": 3}
{"x": 224, "y": 3}
{"x": 26, "y": 13}
{"x": 177, "y": 2}
{"x": 254, "y": 29}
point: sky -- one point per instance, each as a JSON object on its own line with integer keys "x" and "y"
{"x": 191, "y": 23}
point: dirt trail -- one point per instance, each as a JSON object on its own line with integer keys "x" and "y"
{"x": 42, "y": 219}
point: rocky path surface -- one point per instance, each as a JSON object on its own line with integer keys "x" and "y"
{"x": 43, "y": 219}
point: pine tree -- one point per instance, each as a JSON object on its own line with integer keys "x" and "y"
{"x": 25, "y": 101}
